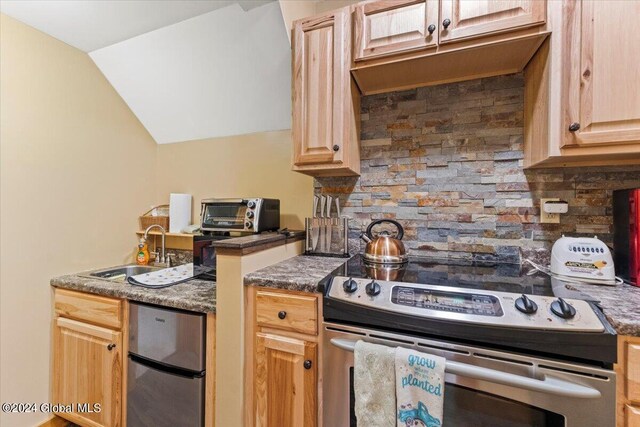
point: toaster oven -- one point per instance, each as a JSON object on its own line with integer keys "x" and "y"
{"x": 243, "y": 215}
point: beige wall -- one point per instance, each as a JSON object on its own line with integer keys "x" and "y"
{"x": 251, "y": 165}
{"x": 76, "y": 169}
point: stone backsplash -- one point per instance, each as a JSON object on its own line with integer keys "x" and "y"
{"x": 447, "y": 162}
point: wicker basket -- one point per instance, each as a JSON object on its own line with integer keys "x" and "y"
{"x": 158, "y": 215}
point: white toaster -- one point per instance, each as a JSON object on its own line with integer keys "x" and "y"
{"x": 586, "y": 259}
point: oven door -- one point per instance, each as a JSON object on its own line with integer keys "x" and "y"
{"x": 482, "y": 387}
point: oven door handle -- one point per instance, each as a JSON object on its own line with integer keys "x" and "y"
{"x": 550, "y": 385}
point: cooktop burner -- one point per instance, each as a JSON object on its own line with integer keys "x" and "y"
{"x": 496, "y": 304}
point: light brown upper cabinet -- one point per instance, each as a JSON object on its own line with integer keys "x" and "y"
{"x": 602, "y": 95}
{"x": 404, "y": 44}
{"x": 387, "y": 27}
{"x": 324, "y": 122}
{"x": 465, "y": 19}
{"x": 582, "y": 102}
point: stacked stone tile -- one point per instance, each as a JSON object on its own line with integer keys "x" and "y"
{"x": 447, "y": 162}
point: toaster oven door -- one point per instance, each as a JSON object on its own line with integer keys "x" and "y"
{"x": 221, "y": 216}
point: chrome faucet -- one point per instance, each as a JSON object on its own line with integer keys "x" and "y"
{"x": 164, "y": 261}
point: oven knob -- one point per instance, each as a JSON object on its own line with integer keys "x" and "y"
{"x": 250, "y": 214}
{"x": 525, "y": 305}
{"x": 372, "y": 289}
{"x": 562, "y": 309}
{"x": 251, "y": 204}
{"x": 350, "y": 286}
{"x": 248, "y": 224}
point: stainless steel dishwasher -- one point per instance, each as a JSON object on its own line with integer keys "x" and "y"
{"x": 166, "y": 364}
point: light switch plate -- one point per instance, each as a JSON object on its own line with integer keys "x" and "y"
{"x": 548, "y": 218}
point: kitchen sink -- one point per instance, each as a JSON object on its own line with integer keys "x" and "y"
{"x": 121, "y": 273}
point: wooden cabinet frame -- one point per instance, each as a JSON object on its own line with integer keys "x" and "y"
{"x": 273, "y": 347}
{"x": 492, "y": 23}
{"x": 324, "y": 122}
{"x": 367, "y": 45}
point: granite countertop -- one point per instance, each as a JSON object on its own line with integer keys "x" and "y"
{"x": 621, "y": 305}
{"x": 194, "y": 295}
{"x": 259, "y": 240}
{"x": 300, "y": 273}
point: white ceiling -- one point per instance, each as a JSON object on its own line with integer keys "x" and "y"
{"x": 93, "y": 24}
{"x": 227, "y": 72}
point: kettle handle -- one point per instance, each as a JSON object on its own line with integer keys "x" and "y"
{"x": 382, "y": 221}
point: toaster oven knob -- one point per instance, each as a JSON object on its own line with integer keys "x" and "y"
{"x": 248, "y": 224}
{"x": 350, "y": 286}
{"x": 251, "y": 204}
{"x": 372, "y": 289}
{"x": 250, "y": 214}
{"x": 525, "y": 305}
{"x": 562, "y": 309}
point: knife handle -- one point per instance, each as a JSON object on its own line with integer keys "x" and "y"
{"x": 315, "y": 206}
{"x": 329, "y": 203}
{"x": 338, "y": 207}
{"x": 322, "y": 202}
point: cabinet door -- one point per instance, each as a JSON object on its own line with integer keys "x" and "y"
{"x": 285, "y": 382}
{"x": 603, "y": 66}
{"x": 387, "y": 27}
{"x": 87, "y": 369}
{"x": 320, "y": 81}
{"x": 464, "y": 19}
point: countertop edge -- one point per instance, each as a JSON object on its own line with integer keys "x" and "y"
{"x": 77, "y": 283}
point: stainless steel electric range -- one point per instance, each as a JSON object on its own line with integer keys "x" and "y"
{"x": 521, "y": 350}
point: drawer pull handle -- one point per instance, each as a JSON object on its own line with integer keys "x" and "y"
{"x": 307, "y": 364}
{"x": 573, "y": 127}
{"x": 431, "y": 28}
{"x": 282, "y": 314}
{"x": 336, "y": 147}
{"x": 111, "y": 347}
{"x": 446, "y": 23}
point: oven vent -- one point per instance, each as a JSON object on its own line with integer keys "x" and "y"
{"x": 348, "y": 331}
{"x": 392, "y": 339}
{"x": 502, "y": 359}
{"x": 569, "y": 371}
{"x": 448, "y": 350}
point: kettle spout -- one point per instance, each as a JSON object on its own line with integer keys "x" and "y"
{"x": 366, "y": 238}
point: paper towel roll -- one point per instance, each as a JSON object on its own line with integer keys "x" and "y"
{"x": 179, "y": 211}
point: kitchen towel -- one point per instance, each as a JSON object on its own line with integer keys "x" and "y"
{"x": 419, "y": 387}
{"x": 179, "y": 211}
{"x": 374, "y": 385}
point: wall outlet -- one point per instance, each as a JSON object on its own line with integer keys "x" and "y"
{"x": 548, "y": 218}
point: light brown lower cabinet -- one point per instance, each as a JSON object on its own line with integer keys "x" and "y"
{"x": 87, "y": 359}
{"x": 90, "y": 346}
{"x": 282, "y": 388}
{"x": 628, "y": 372}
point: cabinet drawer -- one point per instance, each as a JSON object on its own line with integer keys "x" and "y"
{"x": 297, "y": 313}
{"x": 632, "y": 416}
{"x": 89, "y": 308}
{"x": 633, "y": 372}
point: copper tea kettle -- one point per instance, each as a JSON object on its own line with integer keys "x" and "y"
{"x": 384, "y": 248}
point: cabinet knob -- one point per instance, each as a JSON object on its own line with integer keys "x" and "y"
{"x": 574, "y": 126}
{"x": 431, "y": 28}
{"x": 307, "y": 364}
{"x": 336, "y": 147}
{"x": 282, "y": 314}
{"x": 446, "y": 23}
{"x": 111, "y": 347}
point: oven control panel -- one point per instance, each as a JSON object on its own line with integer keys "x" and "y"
{"x": 452, "y": 302}
{"x": 491, "y": 308}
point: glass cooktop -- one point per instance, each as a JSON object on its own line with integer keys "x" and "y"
{"x": 479, "y": 275}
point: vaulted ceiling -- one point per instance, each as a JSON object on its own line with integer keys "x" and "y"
{"x": 187, "y": 69}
